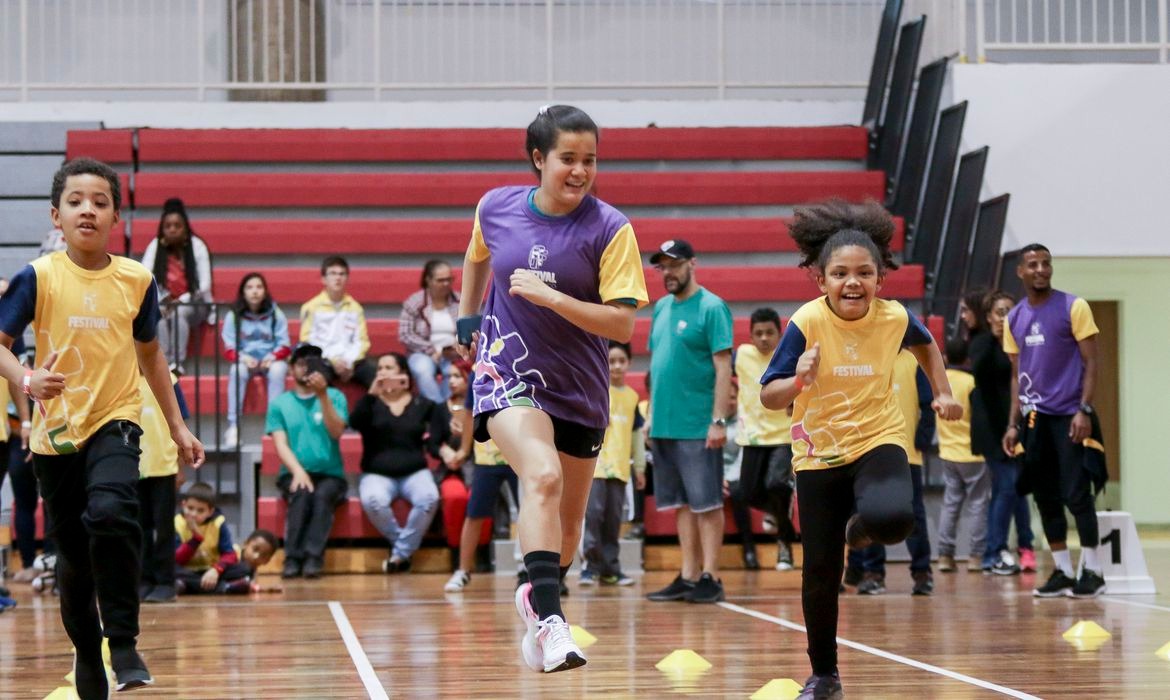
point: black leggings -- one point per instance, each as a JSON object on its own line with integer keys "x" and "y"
{"x": 878, "y": 487}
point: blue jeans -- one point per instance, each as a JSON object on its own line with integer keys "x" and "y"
{"x": 424, "y": 368}
{"x": 276, "y": 374}
{"x": 873, "y": 557}
{"x": 1005, "y": 503}
{"x": 378, "y": 492}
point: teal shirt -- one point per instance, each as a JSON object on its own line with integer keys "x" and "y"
{"x": 304, "y": 424}
{"x": 683, "y": 337}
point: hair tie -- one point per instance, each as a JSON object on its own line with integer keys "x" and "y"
{"x": 544, "y": 110}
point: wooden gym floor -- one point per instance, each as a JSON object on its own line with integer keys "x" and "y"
{"x": 357, "y": 636}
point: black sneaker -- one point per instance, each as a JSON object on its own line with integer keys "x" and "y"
{"x": 679, "y": 589}
{"x": 708, "y": 589}
{"x": 1089, "y": 585}
{"x": 923, "y": 583}
{"x": 292, "y": 569}
{"x": 160, "y": 594}
{"x": 1005, "y": 565}
{"x": 872, "y": 584}
{"x": 89, "y": 678}
{"x": 855, "y": 535}
{"x": 129, "y": 668}
{"x": 826, "y": 687}
{"x": 751, "y": 562}
{"x": 314, "y": 567}
{"x": 1059, "y": 585}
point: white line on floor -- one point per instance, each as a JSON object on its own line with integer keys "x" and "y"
{"x": 885, "y": 654}
{"x": 365, "y": 670}
{"x": 1135, "y": 603}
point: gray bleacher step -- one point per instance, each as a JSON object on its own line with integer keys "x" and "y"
{"x": 26, "y": 220}
{"x": 504, "y": 553}
{"x": 39, "y": 137}
{"x": 28, "y": 175}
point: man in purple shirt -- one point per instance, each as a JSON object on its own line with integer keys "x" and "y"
{"x": 1052, "y": 342}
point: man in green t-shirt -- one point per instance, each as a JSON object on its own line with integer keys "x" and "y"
{"x": 690, "y": 370}
{"x": 306, "y": 424}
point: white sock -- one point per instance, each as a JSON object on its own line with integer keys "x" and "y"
{"x": 1089, "y": 559}
{"x": 1063, "y": 561}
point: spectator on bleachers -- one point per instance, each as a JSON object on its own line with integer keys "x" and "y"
{"x": 335, "y": 322}
{"x": 255, "y": 341}
{"x": 306, "y": 425}
{"x": 183, "y": 274}
{"x": 427, "y": 329}
{"x": 455, "y": 479}
{"x": 489, "y": 475}
{"x": 991, "y": 404}
{"x": 398, "y": 429}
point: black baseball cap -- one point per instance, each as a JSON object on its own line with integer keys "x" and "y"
{"x": 303, "y": 350}
{"x": 675, "y": 249}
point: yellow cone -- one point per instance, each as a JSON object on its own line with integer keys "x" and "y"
{"x": 581, "y": 636}
{"x": 1086, "y": 629}
{"x": 778, "y": 689}
{"x": 1164, "y": 652}
{"x": 65, "y": 692}
{"x": 1087, "y": 635}
{"x": 683, "y": 660}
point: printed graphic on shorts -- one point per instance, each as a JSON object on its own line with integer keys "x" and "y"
{"x": 504, "y": 362}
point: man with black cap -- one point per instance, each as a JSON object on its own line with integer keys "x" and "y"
{"x": 306, "y": 425}
{"x": 690, "y": 370}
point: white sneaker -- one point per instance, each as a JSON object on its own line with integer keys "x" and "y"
{"x": 557, "y": 647}
{"x": 529, "y": 649}
{"x": 231, "y": 437}
{"x": 457, "y": 582}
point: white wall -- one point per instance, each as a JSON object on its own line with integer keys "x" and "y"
{"x": 1084, "y": 151}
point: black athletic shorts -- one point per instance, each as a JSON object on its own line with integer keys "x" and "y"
{"x": 573, "y": 439}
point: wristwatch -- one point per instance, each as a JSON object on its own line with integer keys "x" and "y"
{"x": 1086, "y": 409}
{"x": 721, "y": 422}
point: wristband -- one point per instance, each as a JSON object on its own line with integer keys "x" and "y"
{"x": 26, "y": 424}
{"x": 798, "y": 384}
{"x": 26, "y": 384}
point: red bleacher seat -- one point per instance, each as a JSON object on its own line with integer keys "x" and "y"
{"x": 391, "y": 285}
{"x": 450, "y": 236}
{"x": 113, "y": 146}
{"x": 619, "y": 188}
{"x": 472, "y": 145}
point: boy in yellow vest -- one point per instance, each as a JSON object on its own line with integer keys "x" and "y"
{"x": 203, "y": 544}
{"x": 621, "y": 448}
{"x": 965, "y": 474}
{"x": 95, "y": 317}
{"x": 158, "y": 466}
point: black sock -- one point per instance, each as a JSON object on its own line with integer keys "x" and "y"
{"x": 544, "y": 575}
{"x": 564, "y": 572}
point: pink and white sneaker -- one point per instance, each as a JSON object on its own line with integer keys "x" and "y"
{"x": 1027, "y": 559}
{"x": 557, "y": 647}
{"x": 529, "y": 648}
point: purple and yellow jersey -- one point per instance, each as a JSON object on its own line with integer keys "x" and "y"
{"x": 91, "y": 319}
{"x": 529, "y": 355}
{"x": 850, "y": 408}
{"x": 1051, "y": 372}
